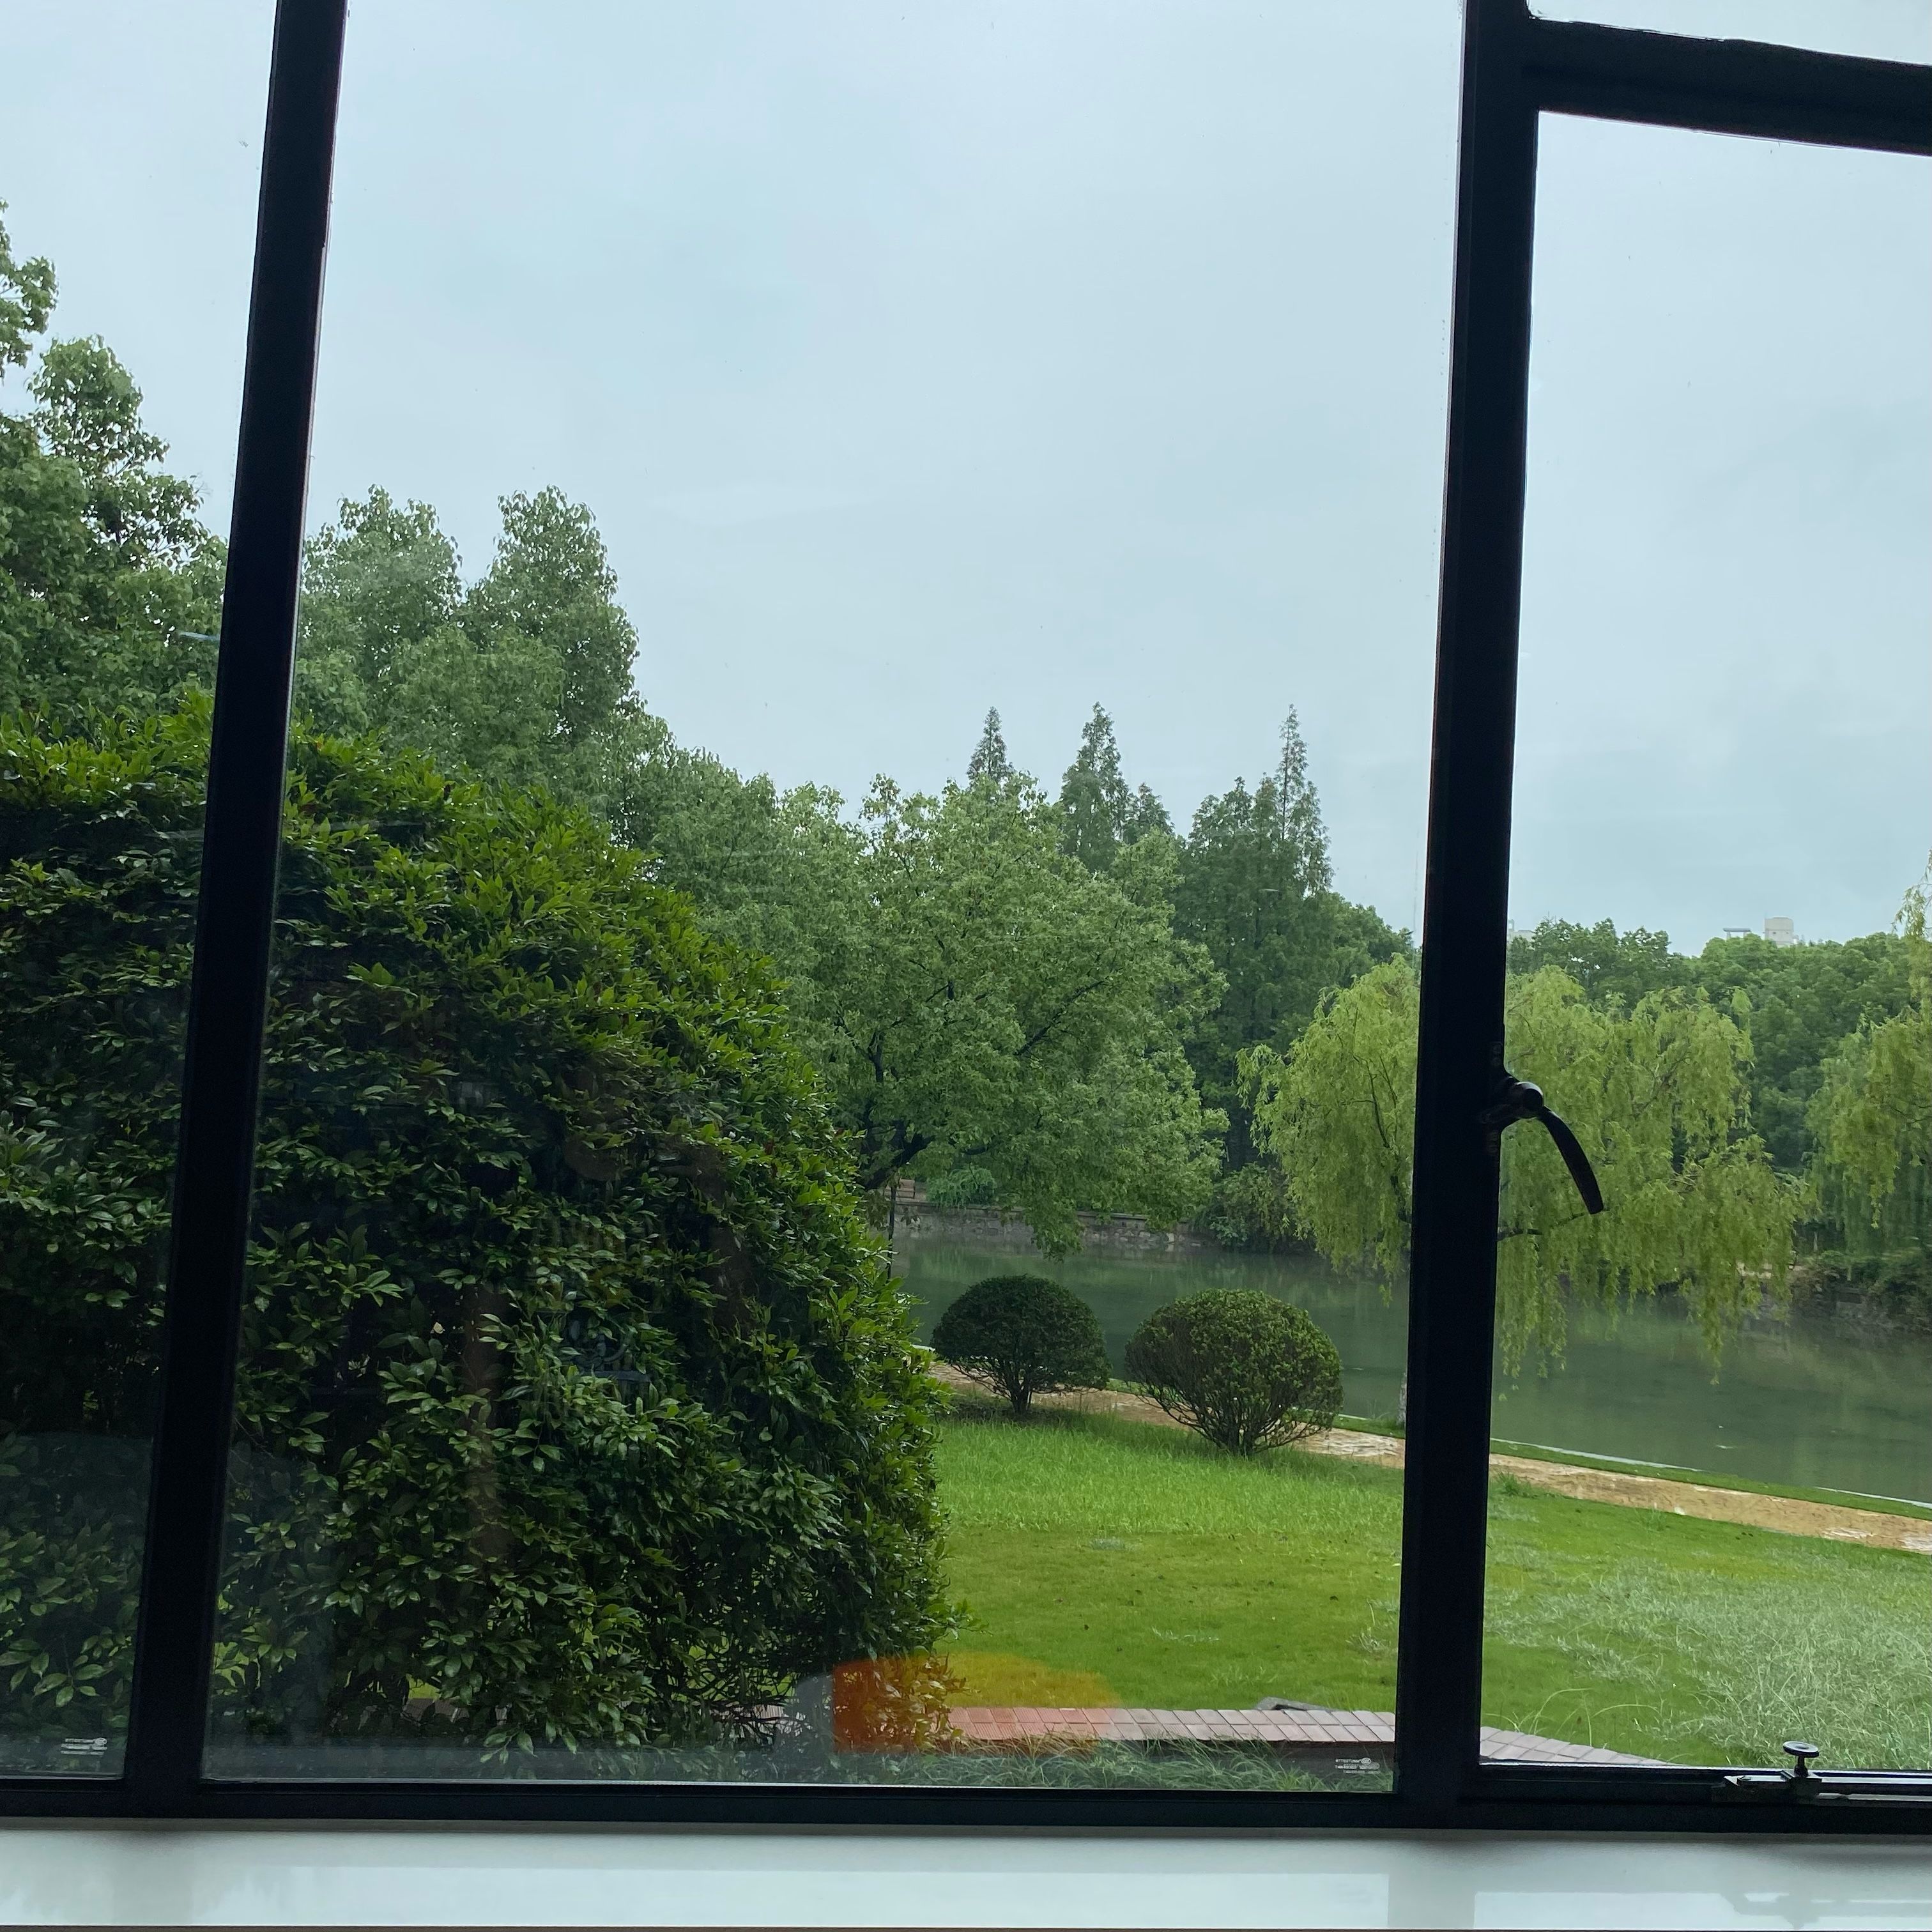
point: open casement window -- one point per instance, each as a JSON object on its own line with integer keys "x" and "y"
{"x": 1218, "y": 1248}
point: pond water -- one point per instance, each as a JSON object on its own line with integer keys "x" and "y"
{"x": 1805, "y": 1399}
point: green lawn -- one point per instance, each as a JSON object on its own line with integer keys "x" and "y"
{"x": 1103, "y": 1561}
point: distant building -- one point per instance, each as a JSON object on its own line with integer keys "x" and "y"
{"x": 1780, "y": 931}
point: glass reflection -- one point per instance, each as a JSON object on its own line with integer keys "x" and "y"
{"x": 1719, "y": 964}
{"x": 796, "y": 397}
{"x": 110, "y": 589}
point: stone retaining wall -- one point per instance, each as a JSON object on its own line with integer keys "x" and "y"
{"x": 987, "y": 1227}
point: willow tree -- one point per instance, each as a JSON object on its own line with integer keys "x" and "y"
{"x": 1871, "y": 1122}
{"x": 1657, "y": 1092}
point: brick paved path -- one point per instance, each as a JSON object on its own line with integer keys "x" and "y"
{"x": 1296, "y": 1728}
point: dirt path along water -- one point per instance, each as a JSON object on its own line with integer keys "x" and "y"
{"x": 1793, "y": 1516}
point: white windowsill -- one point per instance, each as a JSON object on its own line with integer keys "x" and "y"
{"x": 275, "y": 1877}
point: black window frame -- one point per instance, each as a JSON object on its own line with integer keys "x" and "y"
{"x": 1515, "y": 68}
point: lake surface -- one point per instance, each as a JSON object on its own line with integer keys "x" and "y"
{"x": 1805, "y": 1400}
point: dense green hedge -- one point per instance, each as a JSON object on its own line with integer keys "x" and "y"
{"x": 575, "y": 1405}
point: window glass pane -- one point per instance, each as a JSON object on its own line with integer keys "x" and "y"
{"x": 721, "y": 408}
{"x": 1896, "y": 30}
{"x": 1710, "y": 1520}
{"x": 127, "y": 160}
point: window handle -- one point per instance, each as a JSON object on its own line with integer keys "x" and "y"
{"x": 1522, "y": 1100}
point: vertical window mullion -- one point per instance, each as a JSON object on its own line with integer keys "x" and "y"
{"x": 229, "y": 995}
{"x": 1452, "y": 1302}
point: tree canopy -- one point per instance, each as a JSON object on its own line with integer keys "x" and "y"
{"x": 1656, "y": 1094}
{"x": 1871, "y": 1118}
{"x": 523, "y": 676}
{"x": 977, "y": 998}
{"x": 1256, "y": 891}
{"x": 1797, "y": 1004}
{"x": 1098, "y": 814}
{"x": 544, "y": 1200}
{"x": 109, "y": 587}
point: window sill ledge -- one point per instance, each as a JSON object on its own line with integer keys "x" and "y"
{"x": 154, "y": 1875}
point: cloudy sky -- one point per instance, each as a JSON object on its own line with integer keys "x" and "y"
{"x": 920, "y": 358}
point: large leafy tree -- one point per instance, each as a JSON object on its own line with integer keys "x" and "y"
{"x": 573, "y": 1390}
{"x": 1658, "y": 1094}
{"x": 525, "y": 677}
{"x": 1255, "y": 890}
{"x": 1799, "y": 1003}
{"x": 976, "y": 999}
{"x": 109, "y": 586}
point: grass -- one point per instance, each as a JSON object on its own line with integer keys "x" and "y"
{"x": 1094, "y": 1553}
{"x": 1175, "y": 1576}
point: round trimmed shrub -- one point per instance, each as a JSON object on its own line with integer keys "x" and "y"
{"x": 1023, "y": 1335}
{"x": 576, "y": 1405}
{"x": 1247, "y": 1371}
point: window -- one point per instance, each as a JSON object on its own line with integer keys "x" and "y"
{"x": 705, "y": 1282}
{"x": 1723, "y": 683}
{"x": 110, "y": 600}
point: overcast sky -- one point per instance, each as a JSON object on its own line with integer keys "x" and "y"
{"x": 921, "y": 357}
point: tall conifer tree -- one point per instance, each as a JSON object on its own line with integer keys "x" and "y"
{"x": 989, "y": 760}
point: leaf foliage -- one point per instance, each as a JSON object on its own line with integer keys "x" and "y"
{"x": 577, "y": 1405}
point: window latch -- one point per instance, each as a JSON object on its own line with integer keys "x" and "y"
{"x": 1522, "y": 1100}
{"x": 1801, "y": 1782}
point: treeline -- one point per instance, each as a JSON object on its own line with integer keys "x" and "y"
{"x": 1028, "y": 997}
{"x": 1033, "y": 997}
{"x": 1837, "y": 1078}
{"x": 1051, "y": 998}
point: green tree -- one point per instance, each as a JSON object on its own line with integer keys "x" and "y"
{"x": 572, "y": 1387}
{"x": 975, "y": 998}
{"x": 1658, "y": 1094}
{"x": 523, "y": 678}
{"x": 989, "y": 760}
{"x": 1099, "y": 814}
{"x": 1606, "y": 963}
{"x": 1799, "y": 1003}
{"x": 1254, "y": 891}
{"x": 109, "y": 586}
{"x": 378, "y": 583}
{"x": 26, "y": 301}
{"x": 1872, "y": 1123}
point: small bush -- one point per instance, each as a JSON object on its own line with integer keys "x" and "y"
{"x": 1240, "y": 1368}
{"x": 1023, "y": 1335}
